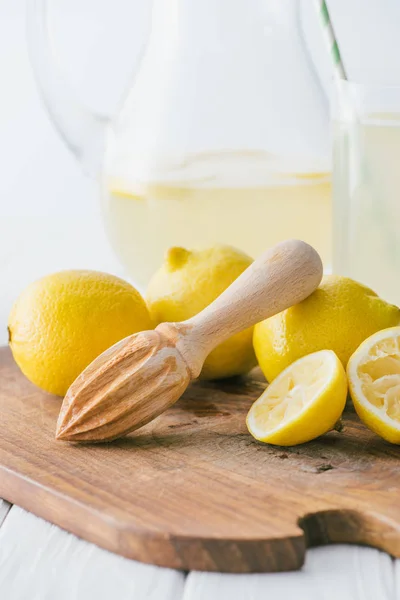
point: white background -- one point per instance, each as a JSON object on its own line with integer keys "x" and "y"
{"x": 49, "y": 211}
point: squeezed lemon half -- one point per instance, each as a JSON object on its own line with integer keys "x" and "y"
{"x": 303, "y": 402}
{"x": 374, "y": 380}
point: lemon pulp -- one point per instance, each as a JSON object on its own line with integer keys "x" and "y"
{"x": 303, "y": 402}
{"x": 374, "y": 378}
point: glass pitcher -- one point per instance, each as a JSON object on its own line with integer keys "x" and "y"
{"x": 222, "y": 137}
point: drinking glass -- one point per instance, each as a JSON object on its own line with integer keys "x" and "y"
{"x": 366, "y": 186}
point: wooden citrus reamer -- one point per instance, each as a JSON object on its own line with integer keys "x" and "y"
{"x": 138, "y": 378}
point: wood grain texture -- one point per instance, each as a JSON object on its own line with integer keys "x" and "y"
{"x": 39, "y": 561}
{"x": 138, "y": 378}
{"x": 193, "y": 490}
{"x": 282, "y": 276}
{"x": 52, "y": 564}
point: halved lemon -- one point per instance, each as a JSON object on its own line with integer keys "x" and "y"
{"x": 303, "y": 402}
{"x": 374, "y": 380}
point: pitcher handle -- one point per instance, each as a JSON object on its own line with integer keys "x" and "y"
{"x": 82, "y": 130}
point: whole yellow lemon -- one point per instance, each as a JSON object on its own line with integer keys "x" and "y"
{"x": 338, "y": 316}
{"x": 62, "y": 322}
{"x": 187, "y": 282}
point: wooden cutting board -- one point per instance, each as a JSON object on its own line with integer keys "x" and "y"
{"x": 193, "y": 490}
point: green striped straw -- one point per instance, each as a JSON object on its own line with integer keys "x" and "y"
{"x": 348, "y": 105}
{"x": 330, "y": 38}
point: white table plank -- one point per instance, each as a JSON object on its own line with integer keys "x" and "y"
{"x": 39, "y": 561}
{"x": 4, "y": 508}
{"x": 397, "y": 579}
{"x": 331, "y": 572}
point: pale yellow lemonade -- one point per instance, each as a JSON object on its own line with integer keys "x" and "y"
{"x": 367, "y": 203}
{"x": 144, "y": 219}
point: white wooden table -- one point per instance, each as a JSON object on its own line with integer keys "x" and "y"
{"x": 49, "y": 220}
